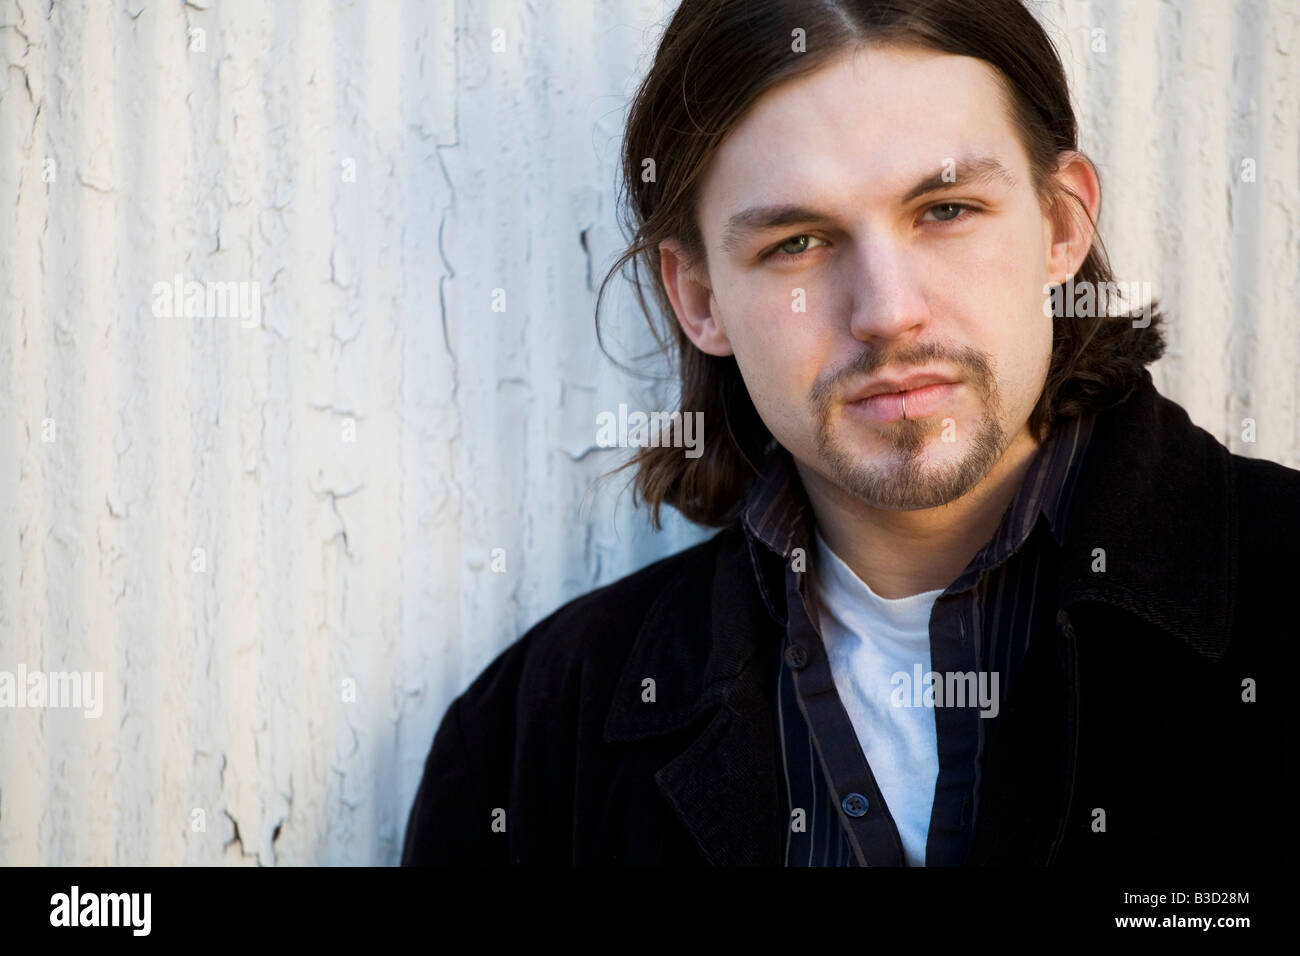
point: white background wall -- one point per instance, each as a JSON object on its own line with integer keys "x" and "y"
{"x": 327, "y": 560}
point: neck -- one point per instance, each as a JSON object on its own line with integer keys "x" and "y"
{"x": 900, "y": 553}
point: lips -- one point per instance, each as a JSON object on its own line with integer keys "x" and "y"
{"x": 923, "y": 401}
{"x": 901, "y": 384}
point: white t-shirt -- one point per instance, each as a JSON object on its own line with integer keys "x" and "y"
{"x": 869, "y": 639}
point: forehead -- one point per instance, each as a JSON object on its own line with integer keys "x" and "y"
{"x": 864, "y": 127}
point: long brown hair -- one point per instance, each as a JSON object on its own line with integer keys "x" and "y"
{"x": 716, "y": 58}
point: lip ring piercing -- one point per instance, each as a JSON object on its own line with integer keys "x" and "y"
{"x": 903, "y": 396}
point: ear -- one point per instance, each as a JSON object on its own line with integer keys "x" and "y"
{"x": 1067, "y": 233}
{"x": 692, "y": 299}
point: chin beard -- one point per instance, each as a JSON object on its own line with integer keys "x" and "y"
{"x": 907, "y": 482}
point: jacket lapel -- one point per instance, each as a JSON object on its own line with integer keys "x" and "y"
{"x": 1157, "y": 501}
{"x": 723, "y": 788}
{"x": 700, "y": 643}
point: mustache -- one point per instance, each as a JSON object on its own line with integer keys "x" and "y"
{"x": 977, "y": 365}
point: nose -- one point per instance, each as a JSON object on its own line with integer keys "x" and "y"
{"x": 888, "y": 296}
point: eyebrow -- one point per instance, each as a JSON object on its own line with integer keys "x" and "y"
{"x": 968, "y": 172}
{"x": 980, "y": 169}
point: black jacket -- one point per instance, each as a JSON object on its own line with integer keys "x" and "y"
{"x": 1128, "y": 739}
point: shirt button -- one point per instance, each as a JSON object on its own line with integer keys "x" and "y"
{"x": 796, "y": 655}
{"x": 855, "y": 805}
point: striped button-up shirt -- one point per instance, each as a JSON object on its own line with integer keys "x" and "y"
{"x": 981, "y": 623}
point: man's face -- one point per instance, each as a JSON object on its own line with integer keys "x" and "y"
{"x": 876, "y": 281}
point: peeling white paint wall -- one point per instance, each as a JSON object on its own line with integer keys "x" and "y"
{"x": 200, "y": 528}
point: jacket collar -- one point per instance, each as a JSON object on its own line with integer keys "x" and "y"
{"x": 1158, "y": 497}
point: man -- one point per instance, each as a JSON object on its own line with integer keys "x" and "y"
{"x": 982, "y": 595}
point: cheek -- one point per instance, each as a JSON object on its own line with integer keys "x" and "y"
{"x": 780, "y": 353}
{"x": 1008, "y": 276}
{"x": 1010, "y": 265}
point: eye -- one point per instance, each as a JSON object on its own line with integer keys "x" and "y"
{"x": 794, "y": 247}
{"x": 949, "y": 212}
